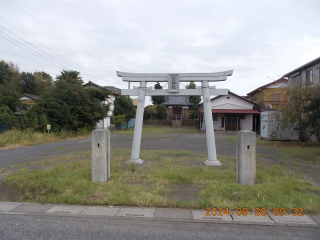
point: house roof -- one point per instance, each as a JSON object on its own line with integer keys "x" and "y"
{"x": 111, "y": 88}
{"x": 33, "y": 97}
{"x": 177, "y": 100}
{"x": 309, "y": 64}
{"x": 91, "y": 84}
{"x": 267, "y": 85}
{"x": 233, "y": 111}
{"x": 216, "y": 97}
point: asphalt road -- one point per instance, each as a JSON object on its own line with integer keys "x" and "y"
{"x": 173, "y": 141}
{"x": 65, "y": 227}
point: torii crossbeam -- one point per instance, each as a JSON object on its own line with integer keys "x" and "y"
{"x": 174, "y": 80}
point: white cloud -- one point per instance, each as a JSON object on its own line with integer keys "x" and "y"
{"x": 258, "y": 39}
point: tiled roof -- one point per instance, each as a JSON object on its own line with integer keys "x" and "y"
{"x": 234, "y": 111}
{"x": 110, "y": 88}
{"x": 33, "y": 97}
{"x": 177, "y": 100}
{"x": 267, "y": 85}
{"x": 309, "y": 64}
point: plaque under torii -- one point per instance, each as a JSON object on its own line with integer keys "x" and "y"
{"x": 174, "y": 80}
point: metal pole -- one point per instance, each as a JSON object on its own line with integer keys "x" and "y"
{"x": 211, "y": 145}
{"x": 138, "y": 126}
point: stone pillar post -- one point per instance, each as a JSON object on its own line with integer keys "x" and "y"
{"x": 246, "y": 157}
{"x": 138, "y": 126}
{"x": 211, "y": 145}
{"x": 100, "y": 155}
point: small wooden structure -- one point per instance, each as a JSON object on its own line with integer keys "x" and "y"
{"x": 177, "y": 107}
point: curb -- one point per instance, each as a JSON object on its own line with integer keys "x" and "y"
{"x": 153, "y": 214}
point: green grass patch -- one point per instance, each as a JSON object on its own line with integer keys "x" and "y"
{"x": 68, "y": 180}
{"x": 15, "y": 138}
{"x": 297, "y": 150}
{"x": 156, "y": 130}
{"x": 229, "y": 137}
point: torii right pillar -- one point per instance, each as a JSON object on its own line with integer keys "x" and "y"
{"x": 211, "y": 144}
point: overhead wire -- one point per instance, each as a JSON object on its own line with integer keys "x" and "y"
{"x": 43, "y": 54}
{"x": 38, "y": 54}
{"x": 48, "y": 48}
{"x": 58, "y": 34}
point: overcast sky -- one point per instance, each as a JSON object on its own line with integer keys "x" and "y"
{"x": 259, "y": 40}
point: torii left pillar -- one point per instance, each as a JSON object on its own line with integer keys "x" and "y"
{"x": 138, "y": 125}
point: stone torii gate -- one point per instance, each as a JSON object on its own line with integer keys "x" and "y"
{"x": 174, "y": 80}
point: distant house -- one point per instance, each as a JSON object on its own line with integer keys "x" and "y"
{"x": 116, "y": 91}
{"x": 306, "y": 74}
{"x": 231, "y": 113}
{"x": 28, "y": 99}
{"x": 177, "y": 107}
{"x": 135, "y": 103}
{"x": 105, "y": 123}
{"x": 269, "y": 96}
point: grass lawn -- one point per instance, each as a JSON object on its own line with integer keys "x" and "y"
{"x": 156, "y": 130}
{"x": 14, "y": 139}
{"x": 166, "y": 179}
{"x": 298, "y": 150}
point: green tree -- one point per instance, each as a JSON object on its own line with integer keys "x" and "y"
{"x": 158, "y": 99}
{"x": 150, "y": 112}
{"x": 43, "y": 81}
{"x": 193, "y": 99}
{"x": 161, "y": 112}
{"x": 70, "y": 76}
{"x": 301, "y": 111}
{"x": 123, "y": 106}
{"x": 313, "y": 114}
{"x": 193, "y": 114}
{"x": 28, "y": 83}
{"x": 70, "y": 106}
{"x": 5, "y": 72}
{"x": 9, "y": 96}
{"x": 120, "y": 119}
{"x": 6, "y": 115}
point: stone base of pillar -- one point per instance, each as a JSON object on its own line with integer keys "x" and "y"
{"x": 100, "y": 155}
{"x": 135, "y": 161}
{"x": 212, "y": 163}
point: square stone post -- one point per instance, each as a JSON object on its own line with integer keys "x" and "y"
{"x": 211, "y": 144}
{"x": 246, "y": 157}
{"x": 100, "y": 155}
{"x": 138, "y": 126}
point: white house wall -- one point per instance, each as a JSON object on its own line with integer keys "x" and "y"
{"x": 246, "y": 124}
{"x": 105, "y": 123}
{"x": 217, "y": 124}
{"x": 232, "y": 103}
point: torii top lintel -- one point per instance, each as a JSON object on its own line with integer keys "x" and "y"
{"x": 183, "y": 77}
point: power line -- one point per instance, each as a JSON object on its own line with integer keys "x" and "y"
{"x": 53, "y": 59}
{"x": 23, "y": 46}
{"x": 46, "y": 47}
{"x": 57, "y": 33}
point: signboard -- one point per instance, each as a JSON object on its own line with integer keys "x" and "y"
{"x": 48, "y": 127}
{"x": 173, "y": 83}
